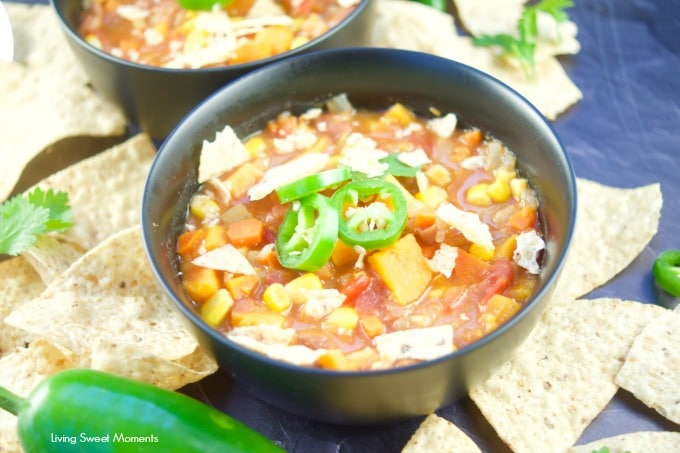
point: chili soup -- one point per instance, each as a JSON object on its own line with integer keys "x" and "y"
{"x": 203, "y": 33}
{"x": 355, "y": 240}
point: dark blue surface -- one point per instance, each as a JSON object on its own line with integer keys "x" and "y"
{"x": 625, "y": 132}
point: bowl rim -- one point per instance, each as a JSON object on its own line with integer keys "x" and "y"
{"x": 546, "y": 287}
{"x": 58, "y": 7}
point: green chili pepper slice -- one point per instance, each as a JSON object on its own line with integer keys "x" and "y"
{"x": 666, "y": 271}
{"x": 99, "y": 412}
{"x": 372, "y": 213}
{"x": 312, "y": 184}
{"x": 203, "y": 5}
{"x": 307, "y": 234}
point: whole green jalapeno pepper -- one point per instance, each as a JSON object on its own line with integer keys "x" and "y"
{"x": 87, "y": 410}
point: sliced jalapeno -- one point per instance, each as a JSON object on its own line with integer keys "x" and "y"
{"x": 312, "y": 184}
{"x": 204, "y": 5}
{"x": 307, "y": 234}
{"x": 372, "y": 213}
{"x": 666, "y": 272}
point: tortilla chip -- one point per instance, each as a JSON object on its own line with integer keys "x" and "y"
{"x": 110, "y": 297}
{"x": 490, "y": 17}
{"x": 130, "y": 361}
{"x": 407, "y": 25}
{"x": 652, "y": 368}
{"x": 642, "y": 441}
{"x": 20, "y": 372}
{"x": 45, "y": 95}
{"x": 562, "y": 376}
{"x": 105, "y": 191}
{"x": 613, "y": 226}
{"x": 19, "y": 283}
{"x": 50, "y": 256}
{"x": 438, "y": 434}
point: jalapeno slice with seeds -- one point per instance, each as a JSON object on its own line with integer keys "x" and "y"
{"x": 372, "y": 213}
{"x": 312, "y": 184}
{"x": 307, "y": 234}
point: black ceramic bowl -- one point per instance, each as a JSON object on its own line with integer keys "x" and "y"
{"x": 154, "y": 99}
{"x": 372, "y": 78}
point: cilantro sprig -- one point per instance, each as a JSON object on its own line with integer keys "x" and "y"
{"x": 24, "y": 217}
{"x": 523, "y": 45}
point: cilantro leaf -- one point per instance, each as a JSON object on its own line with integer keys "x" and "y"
{"x": 395, "y": 167}
{"x": 524, "y": 46}
{"x": 24, "y": 217}
{"x": 61, "y": 216}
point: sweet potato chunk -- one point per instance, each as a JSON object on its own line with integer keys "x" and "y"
{"x": 403, "y": 268}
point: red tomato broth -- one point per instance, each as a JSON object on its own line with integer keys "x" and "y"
{"x": 162, "y": 33}
{"x": 481, "y": 294}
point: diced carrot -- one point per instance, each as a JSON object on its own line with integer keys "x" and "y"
{"x": 246, "y": 232}
{"x": 334, "y": 359}
{"x": 239, "y": 7}
{"x": 200, "y": 283}
{"x": 242, "y": 285}
{"x": 523, "y": 219}
{"x": 469, "y": 268}
{"x": 215, "y": 236}
{"x": 189, "y": 242}
{"x": 372, "y": 325}
{"x": 424, "y": 219}
{"x": 472, "y": 137}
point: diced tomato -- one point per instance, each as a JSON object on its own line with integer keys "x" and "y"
{"x": 355, "y": 286}
{"x": 498, "y": 278}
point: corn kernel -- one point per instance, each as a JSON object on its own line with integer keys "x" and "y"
{"x": 499, "y": 190}
{"x": 518, "y": 186}
{"x": 305, "y": 281}
{"x": 215, "y": 309}
{"x": 241, "y": 319}
{"x": 478, "y": 194}
{"x": 433, "y": 196}
{"x": 202, "y": 206}
{"x": 255, "y": 146}
{"x": 438, "y": 174}
{"x": 482, "y": 252}
{"x": 277, "y": 297}
{"x": 343, "y": 318}
{"x": 298, "y": 41}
